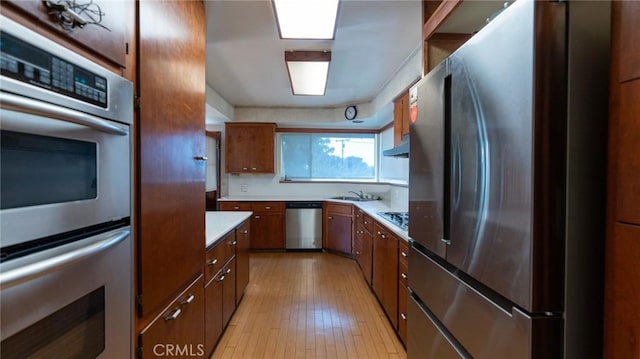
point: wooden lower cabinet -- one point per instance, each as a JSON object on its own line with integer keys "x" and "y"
{"x": 364, "y": 249}
{"x": 338, "y": 228}
{"x": 385, "y": 271}
{"x": 243, "y": 238}
{"x": 228, "y": 279}
{"x": 213, "y": 323}
{"x": 179, "y": 328}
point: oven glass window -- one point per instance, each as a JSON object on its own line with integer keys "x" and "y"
{"x": 37, "y": 170}
{"x": 75, "y": 331}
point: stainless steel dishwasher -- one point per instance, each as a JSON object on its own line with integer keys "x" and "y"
{"x": 304, "y": 225}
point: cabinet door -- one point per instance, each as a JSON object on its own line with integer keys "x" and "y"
{"x": 243, "y": 236}
{"x": 239, "y": 146}
{"x": 213, "y": 314}
{"x": 228, "y": 280}
{"x": 402, "y": 313}
{"x": 180, "y": 324}
{"x": 385, "y": 271}
{"x": 367, "y": 256}
{"x": 268, "y": 231}
{"x": 339, "y": 233}
{"x": 262, "y": 159}
{"x": 171, "y": 182}
{"x": 107, "y": 40}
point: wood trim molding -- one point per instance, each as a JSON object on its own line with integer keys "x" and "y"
{"x": 443, "y": 11}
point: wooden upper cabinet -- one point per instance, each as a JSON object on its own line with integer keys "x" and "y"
{"x": 249, "y": 147}
{"x": 108, "y": 40}
{"x": 171, "y": 135}
{"x": 400, "y": 117}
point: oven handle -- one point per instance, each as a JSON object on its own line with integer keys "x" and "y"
{"x": 34, "y": 107}
{"x": 40, "y": 268}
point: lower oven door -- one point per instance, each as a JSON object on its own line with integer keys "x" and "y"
{"x": 73, "y": 301}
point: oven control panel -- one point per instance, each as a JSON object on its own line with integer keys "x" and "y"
{"x": 27, "y": 63}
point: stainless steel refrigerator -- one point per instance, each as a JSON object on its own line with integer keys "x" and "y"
{"x": 506, "y": 189}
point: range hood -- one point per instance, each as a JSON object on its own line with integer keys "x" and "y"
{"x": 401, "y": 150}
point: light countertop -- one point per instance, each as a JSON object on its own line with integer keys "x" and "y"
{"x": 371, "y": 208}
{"x": 219, "y": 223}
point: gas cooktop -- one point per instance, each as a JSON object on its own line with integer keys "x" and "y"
{"x": 400, "y": 219}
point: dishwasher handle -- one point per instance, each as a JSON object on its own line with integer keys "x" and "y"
{"x": 303, "y": 205}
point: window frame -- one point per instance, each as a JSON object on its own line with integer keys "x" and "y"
{"x": 327, "y": 132}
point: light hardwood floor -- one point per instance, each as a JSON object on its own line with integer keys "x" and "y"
{"x": 308, "y": 305}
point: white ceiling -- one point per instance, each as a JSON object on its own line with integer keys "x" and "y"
{"x": 245, "y": 56}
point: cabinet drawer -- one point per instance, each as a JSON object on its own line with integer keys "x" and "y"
{"x": 234, "y": 206}
{"x": 404, "y": 253}
{"x": 367, "y": 222}
{"x": 219, "y": 254}
{"x": 180, "y": 324}
{"x": 267, "y": 206}
{"x": 337, "y": 208}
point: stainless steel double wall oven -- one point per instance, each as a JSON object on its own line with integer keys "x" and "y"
{"x": 65, "y": 205}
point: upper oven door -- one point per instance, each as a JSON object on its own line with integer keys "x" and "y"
{"x": 58, "y": 175}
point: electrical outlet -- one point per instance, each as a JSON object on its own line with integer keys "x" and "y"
{"x": 244, "y": 187}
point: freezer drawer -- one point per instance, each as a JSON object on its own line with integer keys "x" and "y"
{"x": 486, "y": 328}
{"x": 425, "y": 339}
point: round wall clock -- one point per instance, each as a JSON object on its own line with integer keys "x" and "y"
{"x": 350, "y": 113}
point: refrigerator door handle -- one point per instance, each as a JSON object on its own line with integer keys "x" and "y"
{"x": 447, "y": 174}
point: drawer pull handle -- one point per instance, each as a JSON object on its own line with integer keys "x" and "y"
{"x": 245, "y": 168}
{"x": 404, "y": 254}
{"x": 228, "y": 271}
{"x": 189, "y": 300}
{"x": 201, "y": 158}
{"x": 256, "y": 217}
{"x": 221, "y": 278}
{"x": 330, "y": 218}
{"x": 403, "y": 316}
{"x": 403, "y": 275}
{"x": 254, "y": 169}
{"x": 212, "y": 262}
{"x": 267, "y": 207}
{"x": 236, "y": 207}
{"x": 175, "y": 315}
{"x": 232, "y": 243}
{"x": 245, "y": 231}
{"x": 365, "y": 222}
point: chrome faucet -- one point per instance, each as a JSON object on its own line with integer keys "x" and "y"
{"x": 360, "y": 195}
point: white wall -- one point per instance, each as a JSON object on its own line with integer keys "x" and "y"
{"x": 392, "y": 169}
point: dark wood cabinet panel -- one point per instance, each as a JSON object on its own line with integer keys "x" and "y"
{"x": 622, "y": 318}
{"x": 179, "y": 324}
{"x": 213, "y": 314}
{"x": 628, "y": 155}
{"x": 338, "y": 227}
{"x": 267, "y": 230}
{"x": 364, "y": 250}
{"x": 385, "y": 271}
{"x": 170, "y": 135}
{"x": 400, "y": 117}
{"x": 228, "y": 279}
{"x": 249, "y": 147}
{"x": 107, "y": 40}
{"x": 402, "y": 313}
{"x": 629, "y": 38}
{"x": 243, "y": 236}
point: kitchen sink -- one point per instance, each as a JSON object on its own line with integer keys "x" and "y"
{"x": 353, "y": 198}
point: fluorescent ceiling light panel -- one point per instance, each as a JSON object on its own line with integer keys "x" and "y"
{"x": 306, "y": 19}
{"x": 308, "y": 71}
